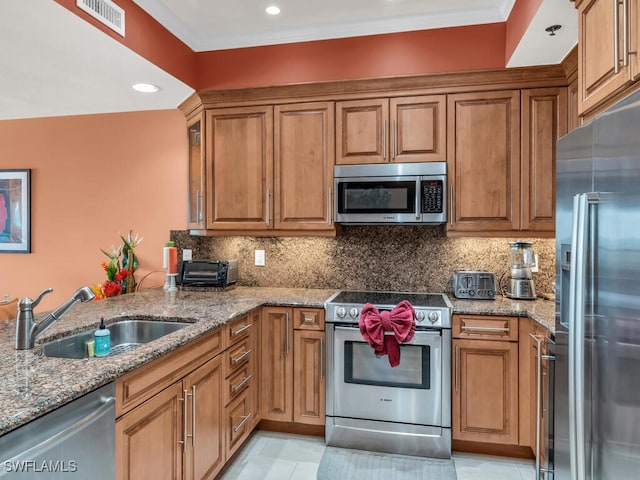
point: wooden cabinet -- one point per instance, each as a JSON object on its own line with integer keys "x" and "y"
{"x": 292, "y": 362}
{"x": 502, "y": 160}
{"x": 401, "y": 129}
{"x": 197, "y": 174}
{"x": 270, "y": 168}
{"x": 177, "y": 433}
{"x": 241, "y": 375}
{"x": 304, "y": 155}
{"x": 485, "y": 384}
{"x": 608, "y": 41}
{"x": 240, "y": 168}
{"x": 544, "y": 120}
{"x": 484, "y": 161}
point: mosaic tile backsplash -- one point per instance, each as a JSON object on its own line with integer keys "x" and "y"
{"x": 400, "y": 258}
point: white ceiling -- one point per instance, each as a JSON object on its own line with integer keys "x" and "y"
{"x": 54, "y": 63}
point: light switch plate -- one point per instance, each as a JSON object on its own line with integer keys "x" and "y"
{"x": 260, "y": 260}
{"x": 187, "y": 254}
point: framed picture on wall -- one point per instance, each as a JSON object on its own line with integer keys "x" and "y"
{"x": 15, "y": 211}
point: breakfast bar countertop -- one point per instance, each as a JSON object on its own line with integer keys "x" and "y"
{"x": 32, "y": 385}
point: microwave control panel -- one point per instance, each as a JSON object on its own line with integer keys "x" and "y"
{"x": 432, "y": 196}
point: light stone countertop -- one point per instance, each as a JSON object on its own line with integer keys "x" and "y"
{"x": 32, "y": 385}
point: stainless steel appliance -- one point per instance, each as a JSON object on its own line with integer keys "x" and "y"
{"x": 597, "y": 393}
{"x": 521, "y": 281}
{"x": 391, "y": 193}
{"x": 208, "y": 273}
{"x": 372, "y": 406}
{"x": 74, "y": 441}
{"x": 474, "y": 284}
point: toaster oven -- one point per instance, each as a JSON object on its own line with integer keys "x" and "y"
{"x": 208, "y": 273}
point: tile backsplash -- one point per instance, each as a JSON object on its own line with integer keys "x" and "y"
{"x": 400, "y": 258}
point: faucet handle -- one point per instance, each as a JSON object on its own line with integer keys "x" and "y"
{"x": 26, "y": 303}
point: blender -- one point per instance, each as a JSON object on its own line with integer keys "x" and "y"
{"x": 522, "y": 259}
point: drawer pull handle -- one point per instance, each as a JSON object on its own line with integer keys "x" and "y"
{"x": 241, "y": 357}
{"x": 308, "y": 320}
{"x": 484, "y": 329}
{"x": 235, "y": 333}
{"x": 237, "y": 387}
{"x": 245, "y": 419}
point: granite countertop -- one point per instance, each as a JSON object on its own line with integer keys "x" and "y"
{"x": 33, "y": 385}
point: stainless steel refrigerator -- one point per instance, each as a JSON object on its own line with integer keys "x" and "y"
{"x": 596, "y": 405}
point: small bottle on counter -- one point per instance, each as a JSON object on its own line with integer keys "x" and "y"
{"x": 102, "y": 346}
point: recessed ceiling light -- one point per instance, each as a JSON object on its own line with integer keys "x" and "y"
{"x": 273, "y": 10}
{"x": 146, "y": 87}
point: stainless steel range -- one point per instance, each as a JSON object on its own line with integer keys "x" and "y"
{"x": 373, "y": 406}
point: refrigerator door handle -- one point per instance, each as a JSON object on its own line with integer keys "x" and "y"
{"x": 577, "y": 299}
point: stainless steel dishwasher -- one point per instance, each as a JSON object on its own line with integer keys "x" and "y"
{"x": 74, "y": 441}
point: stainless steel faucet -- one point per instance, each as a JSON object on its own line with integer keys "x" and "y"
{"x": 27, "y": 330}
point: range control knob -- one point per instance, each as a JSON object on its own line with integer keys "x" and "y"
{"x": 433, "y": 317}
{"x": 419, "y": 317}
{"x": 353, "y": 313}
{"x": 341, "y": 312}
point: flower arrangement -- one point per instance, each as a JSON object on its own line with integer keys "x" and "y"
{"x": 120, "y": 268}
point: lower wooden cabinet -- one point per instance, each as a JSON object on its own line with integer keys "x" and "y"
{"x": 177, "y": 433}
{"x": 292, "y": 365}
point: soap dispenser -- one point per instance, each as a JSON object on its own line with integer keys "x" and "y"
{"x": 102, "y": 340}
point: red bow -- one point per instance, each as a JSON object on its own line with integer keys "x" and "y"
{"x": 400, "y": 321}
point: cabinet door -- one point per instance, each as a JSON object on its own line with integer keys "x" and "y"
{"x": 197, "y": 174}
{"x": 572, "y": 106}
{"x": 276, "y": 352}
{"x": 148, "y": 438}
{"x": 237, "y": 423}
{"x": 205, "y": 450}
{"x": 485, "y": 391}
{"x": 484, "y": 161}
{"x": 544, "y": 120}
{"x": 240, "y": 161}
{"x": 418, "y": 129}
{"x": 600, "y": 66}
{"x": 309, "y": 377}
{"x": 362, "y": 131}
{"x": 303, "y": 166}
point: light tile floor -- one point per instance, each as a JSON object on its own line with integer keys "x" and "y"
{"x": 278, "y": 456}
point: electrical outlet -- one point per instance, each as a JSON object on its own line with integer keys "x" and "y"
{"x": 534, "y": 269}
{"x": 260, "y": 260}
{"x": 187, "y": 254}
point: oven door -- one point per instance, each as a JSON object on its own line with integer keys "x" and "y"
{"x": 367, "y": 387}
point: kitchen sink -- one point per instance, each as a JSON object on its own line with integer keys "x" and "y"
{"x": 125, "y": 335}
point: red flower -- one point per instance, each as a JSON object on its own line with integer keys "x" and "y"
{"x": 121, "y": 274}
{"x": 111, "y": 289}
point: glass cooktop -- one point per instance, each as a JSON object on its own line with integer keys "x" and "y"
{"x": 391, "y": 298}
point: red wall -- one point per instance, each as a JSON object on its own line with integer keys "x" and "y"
{"x": 426, "y": 51}
{"x": 93, "y": 177}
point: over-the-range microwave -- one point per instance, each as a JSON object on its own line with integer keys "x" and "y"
{"x": 391, "y": 193}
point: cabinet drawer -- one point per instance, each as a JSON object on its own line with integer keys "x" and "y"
{"x": 238, "y": 354}
{"x": 141, "y": 384}
{"x": 238, "y": 422}
{"x": 239, "y": 381}
{"x": 308, "y": 319}
{"x": 239, "y": 329}
{"x": 485, "y": 327}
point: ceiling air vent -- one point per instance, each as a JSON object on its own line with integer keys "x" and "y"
{"x": 106, "y": 12}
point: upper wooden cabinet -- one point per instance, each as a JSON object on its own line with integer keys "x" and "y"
{"x": 240, "y": 162}
{"x": 608, "y": 41}
{"x": 544, "y": 120}
{"x": 270, "y": 168}
{"x": 303, "y": 166}
{"x": 402, "y": 129}
{"x": 484, "y": 161}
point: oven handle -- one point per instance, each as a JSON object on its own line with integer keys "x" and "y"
{"x": 434, "y": 333}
